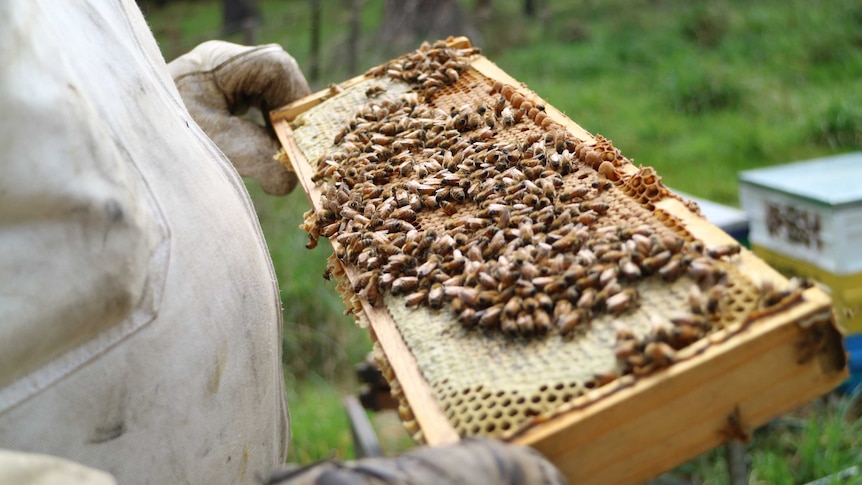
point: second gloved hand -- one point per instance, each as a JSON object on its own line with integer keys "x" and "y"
{"x": 469, "y": 462}
{"x": 220, "y": 81}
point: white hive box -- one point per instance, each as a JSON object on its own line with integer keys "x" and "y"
{"x": 806, "y": 219}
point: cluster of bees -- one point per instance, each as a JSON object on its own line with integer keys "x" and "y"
{"x": 493, "y": 210}
{"x": 431, "y": 67}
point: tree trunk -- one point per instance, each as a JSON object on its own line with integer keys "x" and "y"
{"x": 314, "y": 55}
{"x": 406, "y": 23}
{"x": 484, "y": 8}
{"x": 353, "y": 35}
{"x": 241, "y": 16}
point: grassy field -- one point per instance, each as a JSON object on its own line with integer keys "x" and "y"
{"x": 698, "y": 90}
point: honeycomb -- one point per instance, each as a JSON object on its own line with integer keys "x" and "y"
{"x": 524, "y": 267}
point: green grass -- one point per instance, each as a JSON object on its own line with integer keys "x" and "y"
{"x": 316, "y": 413}
{"x": 814, "y": 442}
{"x": 698, "y": 90}
{"x": 318, "y": 337}
{"x": 799, "y": 451}
{"x": 320, "y": 427}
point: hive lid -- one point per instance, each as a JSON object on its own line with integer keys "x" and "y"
{"x": 831, "y": 181}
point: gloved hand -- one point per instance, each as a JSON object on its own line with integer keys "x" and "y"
{"x": 220, "y": 81}
{"x": 471, "y": 461}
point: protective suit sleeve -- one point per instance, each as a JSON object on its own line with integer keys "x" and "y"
{"x": 220, "y": 81}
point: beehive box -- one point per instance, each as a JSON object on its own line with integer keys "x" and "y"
{"x": 806, "y": 219}
{"x": 524, "y": 281}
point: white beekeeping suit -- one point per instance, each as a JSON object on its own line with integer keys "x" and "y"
{"x": 140, "y": 322}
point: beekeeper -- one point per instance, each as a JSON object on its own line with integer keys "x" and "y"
{"x": 140, "y": 320}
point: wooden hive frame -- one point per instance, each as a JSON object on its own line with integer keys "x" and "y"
{"x": 635, "y": 428}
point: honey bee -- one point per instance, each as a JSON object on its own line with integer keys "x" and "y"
{"x": 443, "y": 244}
{"x": 612, "y": 256}
{"x": 713, "y": 299}
{"x": 525, "y": 230}
{"x": 723, "y": 250}
{"x": 541, "y": 321}
{"x": 696, "y": 300}
{"x": 673, "y": 269}
{"x": 506, "y": 275}
{"x": 562, "y": 307}
{"x": 452, "y": 75}
{"x": 499, "y": 105}
{"x": 448, "y": 208}
{"x": 529, "y": 271}
{"x": 487, "y": 280}
{"x": 525, "y": 323}
{"x": 398, "y": 261}
{"x": 625, "y": 349}
{"x": 524, "y": 288}
{"x": 542, "y": 281}
{"x": 512, "y": 307}
{"x": 398, "y": 225}
{"x": 653, "y": 263}
{"x": 588, "y": 218}
{"x": 690, "y": 319}
{"x": 622, "y": 301}
{"x": 607, "y": 275}
{"x": 427, "y": 268}
{"x": 415, "y": 299}
{"x": 487, "y": 298}
{"x": 469, "y": 296}
{"x": 660, "y": 353}
{"x": 435, "y": 296}
{"x": 458, "y": 194}
{"x": 362, "y": 280}
{"x": 545, "y": 302}
{"x": 574, "y": 273}
{"x": 532, "y": 187}
{"x": 706, "y": 274}
{"x": 629, "y": 270}
{"x": 587, "y": 299}
{"x": 587, "y": 257}
{"x": 566, "y": 322}
{"x": 468, "y": 317}
{"x": 529, "y": 304}
{"x": 548, "y": 187}
{"x": 490, "y": 317}
{"x": 474, "y": 223}
{"x": 601, "y": 186}
{"x": 682, "y": 335}
{"x": 508, "y": 324}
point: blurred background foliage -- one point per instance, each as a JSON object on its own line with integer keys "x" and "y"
{"x": 699, "y": 90}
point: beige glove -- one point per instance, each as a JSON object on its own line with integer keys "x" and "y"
{"x": 35, "y": 469}
{"x": 220, "y": 81}
{"x": 472, "y": 461}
